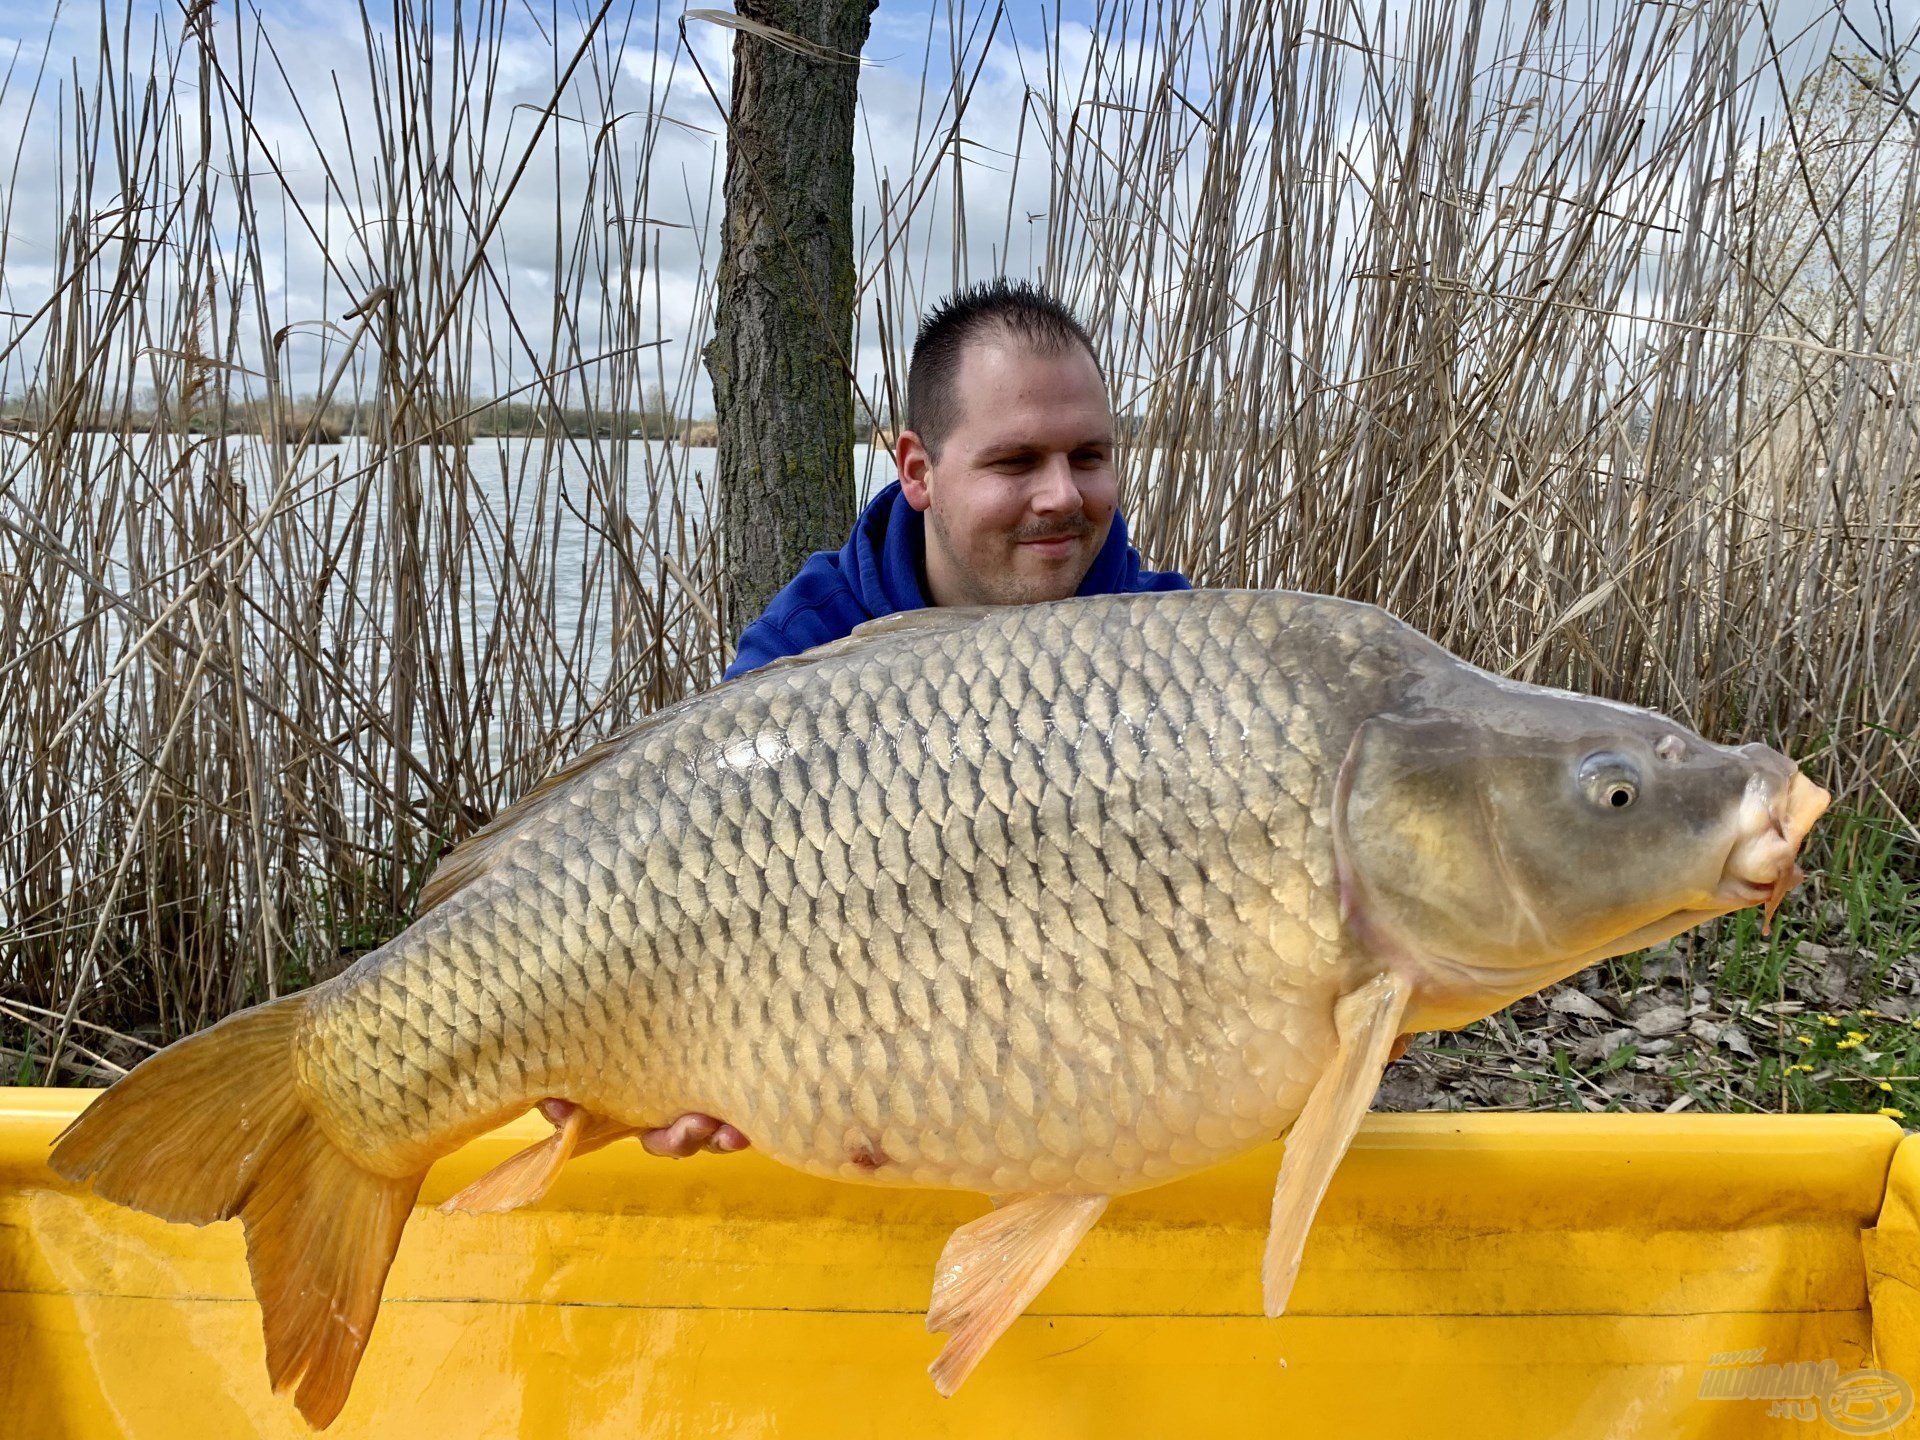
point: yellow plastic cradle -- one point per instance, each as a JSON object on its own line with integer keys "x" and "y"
{"x": 1469, "y": 1275}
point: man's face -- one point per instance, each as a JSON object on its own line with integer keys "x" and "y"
{"x": 1023, "y": 494}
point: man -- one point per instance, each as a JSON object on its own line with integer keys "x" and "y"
{"x": 1006, "y": 496}
{"x": 1007, "y": 493}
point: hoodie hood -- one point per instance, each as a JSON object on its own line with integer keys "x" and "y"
{"x": 882, "y": 569}
{"x": 885, "y": 559}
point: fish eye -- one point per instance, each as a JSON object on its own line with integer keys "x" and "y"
{"x": 1609, "y": 780}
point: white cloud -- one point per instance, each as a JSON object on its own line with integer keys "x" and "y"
{"x": 631, "y": 144}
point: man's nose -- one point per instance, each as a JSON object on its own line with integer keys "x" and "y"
{"x": 1057, "y": 494}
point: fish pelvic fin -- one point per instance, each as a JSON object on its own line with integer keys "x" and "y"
{"x": 214, "y": 1128}
{"x": 993, "y": 1267}
{"x": 1367, "y": 1023}
{"x": 524, "y": 1178}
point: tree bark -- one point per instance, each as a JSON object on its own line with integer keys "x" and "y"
{"x": 781, "y": 351}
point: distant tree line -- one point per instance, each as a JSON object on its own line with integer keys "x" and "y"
{"x": 463, "y": 420}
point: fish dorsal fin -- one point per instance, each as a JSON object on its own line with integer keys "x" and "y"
{"x": 929, "y": 621}
{"x": 474, "y": 857}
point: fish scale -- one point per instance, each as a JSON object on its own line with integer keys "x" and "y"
{"x": 1051, "y": 902}
{"x": 973, "y": 917}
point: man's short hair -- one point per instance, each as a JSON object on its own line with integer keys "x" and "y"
{"x": 1013, "y": 307}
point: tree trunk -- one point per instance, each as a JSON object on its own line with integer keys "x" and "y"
{"x": 781, "y": 352}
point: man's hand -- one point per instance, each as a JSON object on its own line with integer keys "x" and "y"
{"x": 692, "y": 1133}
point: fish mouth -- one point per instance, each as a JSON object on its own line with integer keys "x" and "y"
{"x": 1763, "y": 864}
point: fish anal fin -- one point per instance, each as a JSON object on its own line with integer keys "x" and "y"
{"x": 523, "y": 1178}
{"x": 993, "y": 1267}
{"x": 601, "y": 1132}
{"x": 1367, "y": 1022}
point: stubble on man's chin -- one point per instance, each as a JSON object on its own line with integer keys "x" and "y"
{"x": 1022, "y": 589}
{"x": 1008, "y": 586}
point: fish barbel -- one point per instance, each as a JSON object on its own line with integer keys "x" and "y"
{"x": 1050, "y": 902}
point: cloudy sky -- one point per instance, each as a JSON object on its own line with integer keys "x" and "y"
{"x": 299, "y": 85}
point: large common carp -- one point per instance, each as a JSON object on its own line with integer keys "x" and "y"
{"x": 1049, "y": 902}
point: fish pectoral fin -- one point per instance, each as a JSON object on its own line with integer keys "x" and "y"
{"x": 524, "y": 1178}
{"x": 1367, "y": 1023}
{"x": 993, "y": 1267}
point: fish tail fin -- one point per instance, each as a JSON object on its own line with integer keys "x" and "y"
{"x": 214, "y": 1127}
{"x": 187, "y": 1134}
{"x": 321, "y": 1234}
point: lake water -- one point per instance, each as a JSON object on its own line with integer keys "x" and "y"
{"x": 521, "y": 525}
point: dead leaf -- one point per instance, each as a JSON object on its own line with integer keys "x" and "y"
{"x": 1572, "y": 1002}
{"x": 1661, "y": 1020}
{"x": 1595, "y": 1048}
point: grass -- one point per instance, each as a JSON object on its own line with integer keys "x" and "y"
{"x": 1573, "y": 334}
{"x": 1859, "y": 1061}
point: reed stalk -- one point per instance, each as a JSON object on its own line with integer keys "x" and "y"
{"x": 1581, "y": 336}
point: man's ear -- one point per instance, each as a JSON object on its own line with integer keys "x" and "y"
{"x": 911, "y": 459}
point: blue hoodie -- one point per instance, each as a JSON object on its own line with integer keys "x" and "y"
{"x": 878, "y": 571}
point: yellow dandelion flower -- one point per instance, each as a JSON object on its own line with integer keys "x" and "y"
{"x": 1886, "y": 1085}
{"x": 1831, "y": 1021}
{"x": 1891, "y": 1113}
{"x": 1803, "y": 1039}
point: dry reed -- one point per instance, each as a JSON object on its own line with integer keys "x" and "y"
{"x": 1580, "y": 337}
